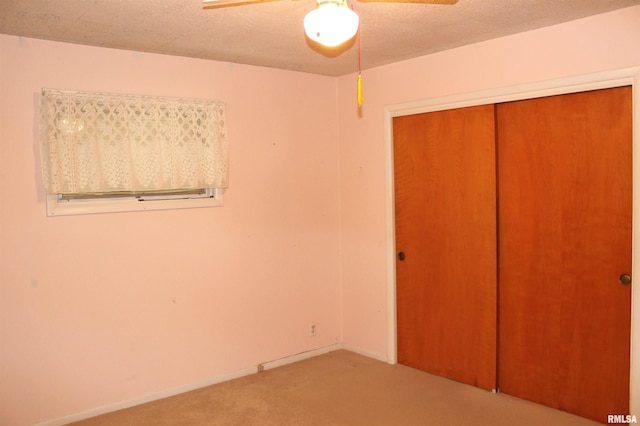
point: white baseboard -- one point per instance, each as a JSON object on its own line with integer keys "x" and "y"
{"x": 121, "y": 405}
{"x": 368, "y": 354}
{"x": 301, "y": 356}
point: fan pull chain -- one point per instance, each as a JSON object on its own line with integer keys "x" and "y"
{"x": 359, "y": 89}
{"x": 359, "y": 73}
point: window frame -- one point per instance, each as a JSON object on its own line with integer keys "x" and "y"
{"x": 171, "y": 192}
{"x": 112, "y": 203}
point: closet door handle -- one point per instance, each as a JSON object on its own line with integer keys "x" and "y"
{"x": 625, "y": 279}
{"x": 401, "y": 256}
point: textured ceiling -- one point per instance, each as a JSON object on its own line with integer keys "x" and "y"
{"x": 271, "y": 34}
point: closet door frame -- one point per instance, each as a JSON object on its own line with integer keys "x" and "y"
{"x": 580, "y": 83}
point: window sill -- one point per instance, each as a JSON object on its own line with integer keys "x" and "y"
{"x": 56, "y": 207}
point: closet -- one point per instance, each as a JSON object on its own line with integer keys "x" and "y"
{"x": 513, "y": 237}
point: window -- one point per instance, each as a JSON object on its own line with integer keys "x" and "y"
{"x": 107, "y": 152}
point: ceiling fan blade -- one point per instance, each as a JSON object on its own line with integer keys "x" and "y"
{"x": 215, "y": 4}
{"x": 444, "y": 2}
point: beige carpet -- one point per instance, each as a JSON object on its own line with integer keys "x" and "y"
{"x": 340, "y": 388}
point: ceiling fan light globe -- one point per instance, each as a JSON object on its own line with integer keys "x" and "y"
{"x": 331, "y": 24}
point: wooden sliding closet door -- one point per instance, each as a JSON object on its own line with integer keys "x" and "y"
{"x": 565, "y": 239}
{"x": 445, "y": 212}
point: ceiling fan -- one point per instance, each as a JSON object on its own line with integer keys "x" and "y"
{"x": 331, "y": 23}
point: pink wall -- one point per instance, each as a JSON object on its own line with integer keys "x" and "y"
{"x": 604, "y": 42}
{"x": 103, "y": 308}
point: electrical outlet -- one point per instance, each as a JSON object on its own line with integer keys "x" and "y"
{"x": 312, "y": 329}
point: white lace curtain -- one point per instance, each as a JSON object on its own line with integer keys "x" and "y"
{"x": 97, "y": 143}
